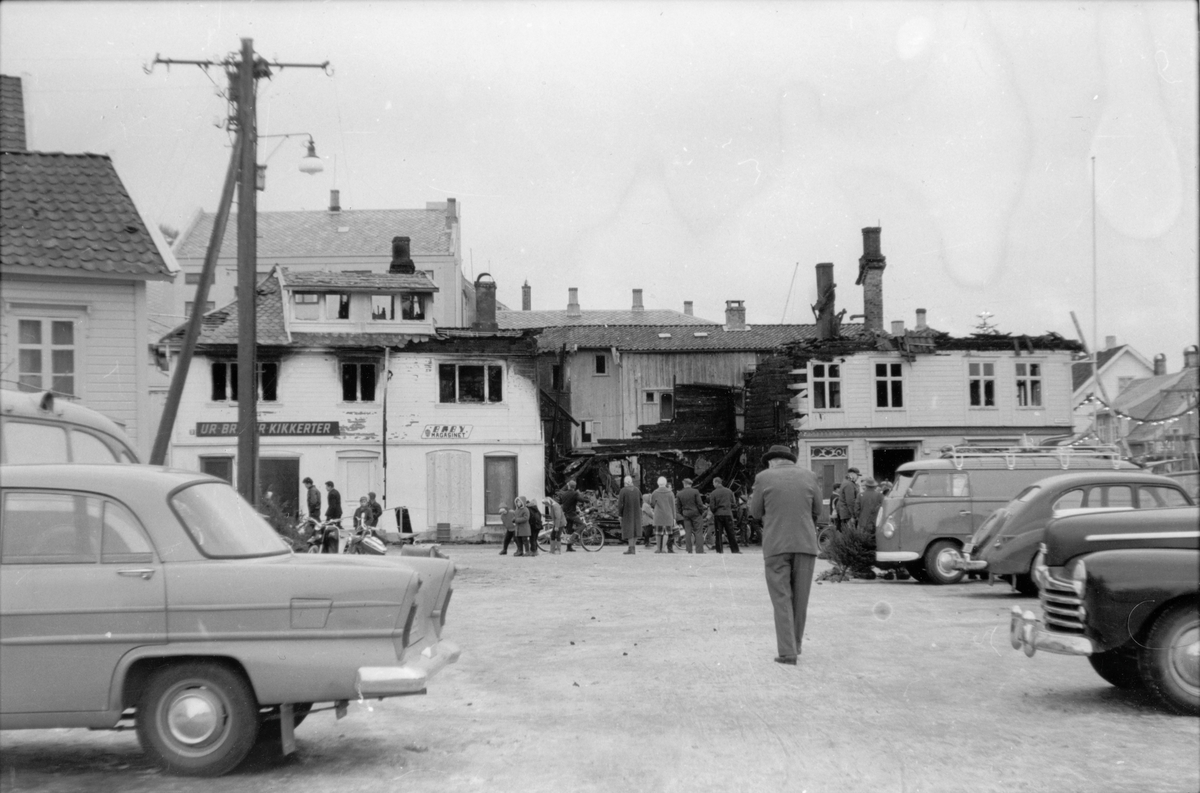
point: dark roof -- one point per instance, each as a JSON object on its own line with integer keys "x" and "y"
{"x": 552, "y": 319}
{"x": 1081, "y": 371}
{"x": 12, "y": 114}
{"x": 220, "y": 326}
{"x": 71, "y": 212}
{"x": 351, "y": 232}
{"x": 357, "y": 282}
{"x": 682, "y": 338}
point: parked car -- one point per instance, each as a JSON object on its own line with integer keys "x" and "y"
{"x": 1006, "y": 543}
{"x": 1123, "y": 589}
{"x": 157, "y": 595}
{"x": 40, "y": 428}
{"x": 937, "y": 505}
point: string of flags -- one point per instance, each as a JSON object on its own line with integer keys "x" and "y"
{"x": 1140, "y": 421}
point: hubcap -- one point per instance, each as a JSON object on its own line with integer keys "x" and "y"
{"x": 1185, "y": 656}
{"x": 193, "y": 717}
{"x": 945, "y": 564}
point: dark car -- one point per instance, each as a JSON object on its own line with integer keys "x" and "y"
{"x": 1006, "y": 543}
{"x": 1122, "y": 589}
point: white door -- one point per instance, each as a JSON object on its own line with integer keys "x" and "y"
{"x": 448, "y": 488}
{"x": 360, "y": 480}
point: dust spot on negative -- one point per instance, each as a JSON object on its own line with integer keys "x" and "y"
{"x": 882, "y": 611}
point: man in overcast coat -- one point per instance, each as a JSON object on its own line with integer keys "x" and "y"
{"x": 787, "y": 498}
{"x": 629, "y": 508}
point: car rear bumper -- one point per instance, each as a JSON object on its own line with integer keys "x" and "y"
{"x": 407, "y": 678}
{"x": 1028, "y": 634}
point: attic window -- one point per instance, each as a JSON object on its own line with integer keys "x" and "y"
{"x": 664, "y": 335}
{"x": 701, "y": 334}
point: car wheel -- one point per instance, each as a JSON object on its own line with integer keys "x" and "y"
{"x": 197, "y": 718}
{"x": 1118, "y": 667}
{"x": 825, "y": 539}
{"x": 1170, "y": 660}
{"x": 939, "y": 559}
{"x": 269, "y": 727}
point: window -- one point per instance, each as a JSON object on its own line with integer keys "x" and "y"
{"x": 659, "y": 406}
{"x": 306, "y": 305}
{"x": 470, "y": 383}
{"x": 588, "y": 430}
{"x": 122, "y": 539}
{"x": 337, "y": 306}
{"x": 982, "y": 384}
{"x": 601, "y": 365}
{"x": 383, "y": 307}
{"x": 89, "y": 448}
{"x": 941, "y": 484}
{"x": 358, "y": 381}
{"x": 1112, "y": 496}
{"x": 889, "y": 386}
{"x": 826, "y": 386}
{"x": 412, "y": 306}
{"x": 1029, "y": 385}
{"x": 225, "y": 381}
{"x": 556, "y": 378}
{"x": 193, "y": 279}
{"x": 1154, "y": 497}
{"x": 222, "y": 524}
{"x": 51, "y": 528}
{"x": 220, "y": 467}
{"x": 27, "y": 442}
{"x": 1072, "y": 499}
{"x": 46, "y": 355}
{"x": 209, "y": 305}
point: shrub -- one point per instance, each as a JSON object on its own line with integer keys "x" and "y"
{"x": 852, "y": 550}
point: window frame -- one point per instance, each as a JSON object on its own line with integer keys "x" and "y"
{"x": 47, "y": 314}
{"x": 893, "y": 384}
{"x": 1030, "y": 385}
{"x": 231, "y": 383}
{"x": 981, "y": 385}
{"x": 333, "y": 306}
{"x": 600, "y": 365}
{"x": 590, "y": 428}
{"x": 488, "y": 368}
{"x": 821, "y": 386}
{"x": 358, "y": 362}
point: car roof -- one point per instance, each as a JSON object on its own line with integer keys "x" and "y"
{"x": 45, "y": 406}
{"x": 1132, "y": 475}
{"x": 115, "y": 480}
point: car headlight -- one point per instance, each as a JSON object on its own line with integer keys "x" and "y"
{"x": 889, "y": 528}
{"x": 1079, "y": 578}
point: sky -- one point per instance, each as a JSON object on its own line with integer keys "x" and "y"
{"x": 1027, "y": 160}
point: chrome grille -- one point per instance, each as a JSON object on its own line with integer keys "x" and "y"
{"x": 1060, "y": 606}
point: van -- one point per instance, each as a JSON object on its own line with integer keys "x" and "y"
{"x": 937, "y": 505}
{"x": 39, "y": 428}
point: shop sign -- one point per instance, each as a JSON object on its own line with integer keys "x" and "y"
{"x": 216, "y": 429}
{"x": 447, "y": 432}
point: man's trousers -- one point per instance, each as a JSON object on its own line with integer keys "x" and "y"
{"x": 789, "y": 580}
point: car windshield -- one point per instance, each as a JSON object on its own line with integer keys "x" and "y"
{"x": 903, "y": 480}
{"x": 222, "y": 524}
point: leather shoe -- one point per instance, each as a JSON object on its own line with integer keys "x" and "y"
{"x": 786, "y": 659}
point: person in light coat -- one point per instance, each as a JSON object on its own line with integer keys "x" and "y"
{"x": 663, "y": 501}
{"x": 557, "y": 520}
{"x": 521, "y": 525}
{"x": 787, "y": 498}
{"x": 629, "y": 508}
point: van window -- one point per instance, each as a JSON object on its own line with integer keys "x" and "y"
{"x": 941, "y": 484}
{"x": 1072, "y": 499}
{"x": 903, "y": 481}
{"x": 87, "y": 448}
{"x": 29, "y": 442}
{"x": 1154, "y": 497}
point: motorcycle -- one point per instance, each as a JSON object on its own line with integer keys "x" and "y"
{"x": 363, "y": 541}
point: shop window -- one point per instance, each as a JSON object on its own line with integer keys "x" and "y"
{"x": 358, "y": 381}
{"x": 826, "y": 386}
{"x": 1029, "y": 385}
{"x": 981, "y": 384}
{"x": 46, "y": 355}
{"x": 889, "y": 385}
{"x": 412, "y": 306}
{"x": 470, "y": 383}
{"x": 225, "y": 381}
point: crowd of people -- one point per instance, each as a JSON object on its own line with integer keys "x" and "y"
{"x": 365, "y": 516}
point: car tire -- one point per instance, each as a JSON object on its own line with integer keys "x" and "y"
{"x": 1118, "y": 667}
{"x": 197, "y": 718}
{"x": 937, "y": 563}
{"x": 825, "y": 539}
{"x": 1167, "y": 660}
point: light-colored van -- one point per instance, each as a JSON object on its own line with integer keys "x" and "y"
{"x": 937, "y": 505}
{"x": 38, "y": 428}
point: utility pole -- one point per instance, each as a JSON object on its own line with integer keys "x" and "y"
{"x": 243, "y": 71}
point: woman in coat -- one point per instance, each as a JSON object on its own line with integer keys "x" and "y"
{"x": 663, "y": 501}
{"x": 521, "y": 525}
{"x": 629, "y": 508}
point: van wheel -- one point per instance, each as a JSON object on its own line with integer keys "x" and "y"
{"x": 1118, "y": 667}
{"x": 1170, "y": 660}
{"x": 939, "y": 560}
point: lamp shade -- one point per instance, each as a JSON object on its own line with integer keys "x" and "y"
{"x": 311, "y": 163}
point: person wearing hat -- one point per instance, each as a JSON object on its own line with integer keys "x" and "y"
{"x": 848, "y": 506}
{"x": 869, "y": 506}
{"x": 689, "y": 504}
{"x": 788, "y": 500}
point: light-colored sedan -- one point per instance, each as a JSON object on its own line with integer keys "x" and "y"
{"x": 136, "y": 592}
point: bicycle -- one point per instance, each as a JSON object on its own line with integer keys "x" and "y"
{"x": 590, "y": 536}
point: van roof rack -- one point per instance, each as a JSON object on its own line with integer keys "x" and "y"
{"x": 1010, "y": 455}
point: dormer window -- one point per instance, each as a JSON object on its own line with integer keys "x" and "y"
{"x": 412, "y": 306}
{"x": 337, "y": 305}
{"x": 383, "y": 307}
{"x": 307, "y": 305}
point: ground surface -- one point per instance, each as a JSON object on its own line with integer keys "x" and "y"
{"x": 605, "y": 672}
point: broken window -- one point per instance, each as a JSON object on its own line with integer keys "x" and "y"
{"x": 588, "y": 430}
{"x": 556, "y": 378}
{"x": 981, "y": 384}
{"x": 337, "y": 305}
{"x": 1029, "y": 385}
{"x": 826, "y": 386}
{"x": 470, "y": 383}
{"x": 889, "y": 385}
{"x": 412, "y": 306}
{"x": 358, "y": 381}
{"x": 383, "y": 307}
{"x": 225, "y": 381}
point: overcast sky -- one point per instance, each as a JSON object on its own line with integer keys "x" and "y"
{"x": 697, "y": 150}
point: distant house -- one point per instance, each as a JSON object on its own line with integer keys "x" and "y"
{"x": 77, "y": 258}
{"x": 1118, "y": 365}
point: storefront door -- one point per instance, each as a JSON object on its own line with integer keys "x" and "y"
{"x": 281, "y": 478}
{"x": 499, "y": 486}
{"x": 448, "y": 489}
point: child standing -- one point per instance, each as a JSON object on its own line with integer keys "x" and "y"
{"x": 521, "y": 525}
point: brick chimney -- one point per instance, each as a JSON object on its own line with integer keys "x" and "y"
{"x": 1190, "y": 358}
{"x": 687, "y": 307}
{"x": 335, "y": 203}
{"x": 573, "y": 302}
{"x": 735, "y": 315}
{"x": 1160, "y": 364}
{"x": 921, "y": 319}
{"x": 526, "y": 297}
{"x": 485, "y": 303}
{"x": 870, "y": 277}
{"x": 637, "y": 300}
{"x": 897, "y": 327}
{"x": 401, "y": 260}
{"x": 823, "y": 309}
{"x": 1110, "y": 342}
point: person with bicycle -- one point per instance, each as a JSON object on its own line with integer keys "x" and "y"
{"x": 569, "y": 498}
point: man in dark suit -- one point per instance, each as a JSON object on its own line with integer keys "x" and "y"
{"x": 690, "y": 506}
{"x": 788, "y": 500}
{"x": 721, "y": 501}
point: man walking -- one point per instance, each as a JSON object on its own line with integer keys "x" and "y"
{"x": 848, "y": 503}
{"x": 720, "y": 500}
{"x": 690, "y": 504}
{"x": 788, "y": 500}
{"x": 869, "y": 506}
{"x": 629, "y": 508}
{"x": 313, "y": 499}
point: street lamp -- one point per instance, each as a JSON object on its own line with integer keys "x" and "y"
{"x": 310, "y": 164}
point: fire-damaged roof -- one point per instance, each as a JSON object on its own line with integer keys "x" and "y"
{"x": 684, "y": 338}
{"x": 929, "y": 341}
{"x": 350, "y": 281}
